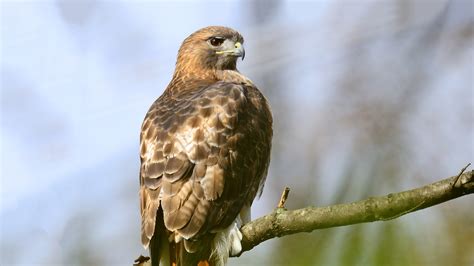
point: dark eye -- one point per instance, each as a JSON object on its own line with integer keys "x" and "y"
{"x": 216, "y": 41}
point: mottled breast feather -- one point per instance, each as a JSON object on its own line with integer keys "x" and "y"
{"x": 204, "y": 153}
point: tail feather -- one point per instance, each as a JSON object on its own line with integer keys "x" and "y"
{"x": 159, "y": 244}
{"x": 164, "y": 249}
{"x": 199, "y": 255}
{"x": 211, "y": 249}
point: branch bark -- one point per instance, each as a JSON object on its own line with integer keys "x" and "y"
{"x": 283, "y": 222}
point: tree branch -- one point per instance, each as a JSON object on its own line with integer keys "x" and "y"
{"x": 282, "y": 222}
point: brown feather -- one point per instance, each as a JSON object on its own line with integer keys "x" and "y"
{"x": 213, "y": 182}
{"x": 196, "y": 221}
{"x": 204, "y": 149}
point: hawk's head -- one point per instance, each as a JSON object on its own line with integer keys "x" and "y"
{"x": 210, "y": 48}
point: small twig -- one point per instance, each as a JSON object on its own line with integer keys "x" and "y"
{"x": 284, "y": 196}
{"x": 459, "y": 175}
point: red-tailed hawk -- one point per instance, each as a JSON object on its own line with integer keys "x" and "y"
{"x": 204, "y": 149}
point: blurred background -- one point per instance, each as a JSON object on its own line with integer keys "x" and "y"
{"x": 368, "y": 97}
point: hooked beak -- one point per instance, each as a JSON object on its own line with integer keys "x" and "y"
{"x": 237, "y": 51}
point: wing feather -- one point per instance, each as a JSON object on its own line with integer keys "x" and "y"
{"x": 213, "y": 182}
{"x": 198, "y": 154}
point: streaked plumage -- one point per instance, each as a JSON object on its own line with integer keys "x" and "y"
{"x": 205, "y": 149}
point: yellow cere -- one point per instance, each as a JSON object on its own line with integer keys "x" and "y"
{"x": 237, "y": 45}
